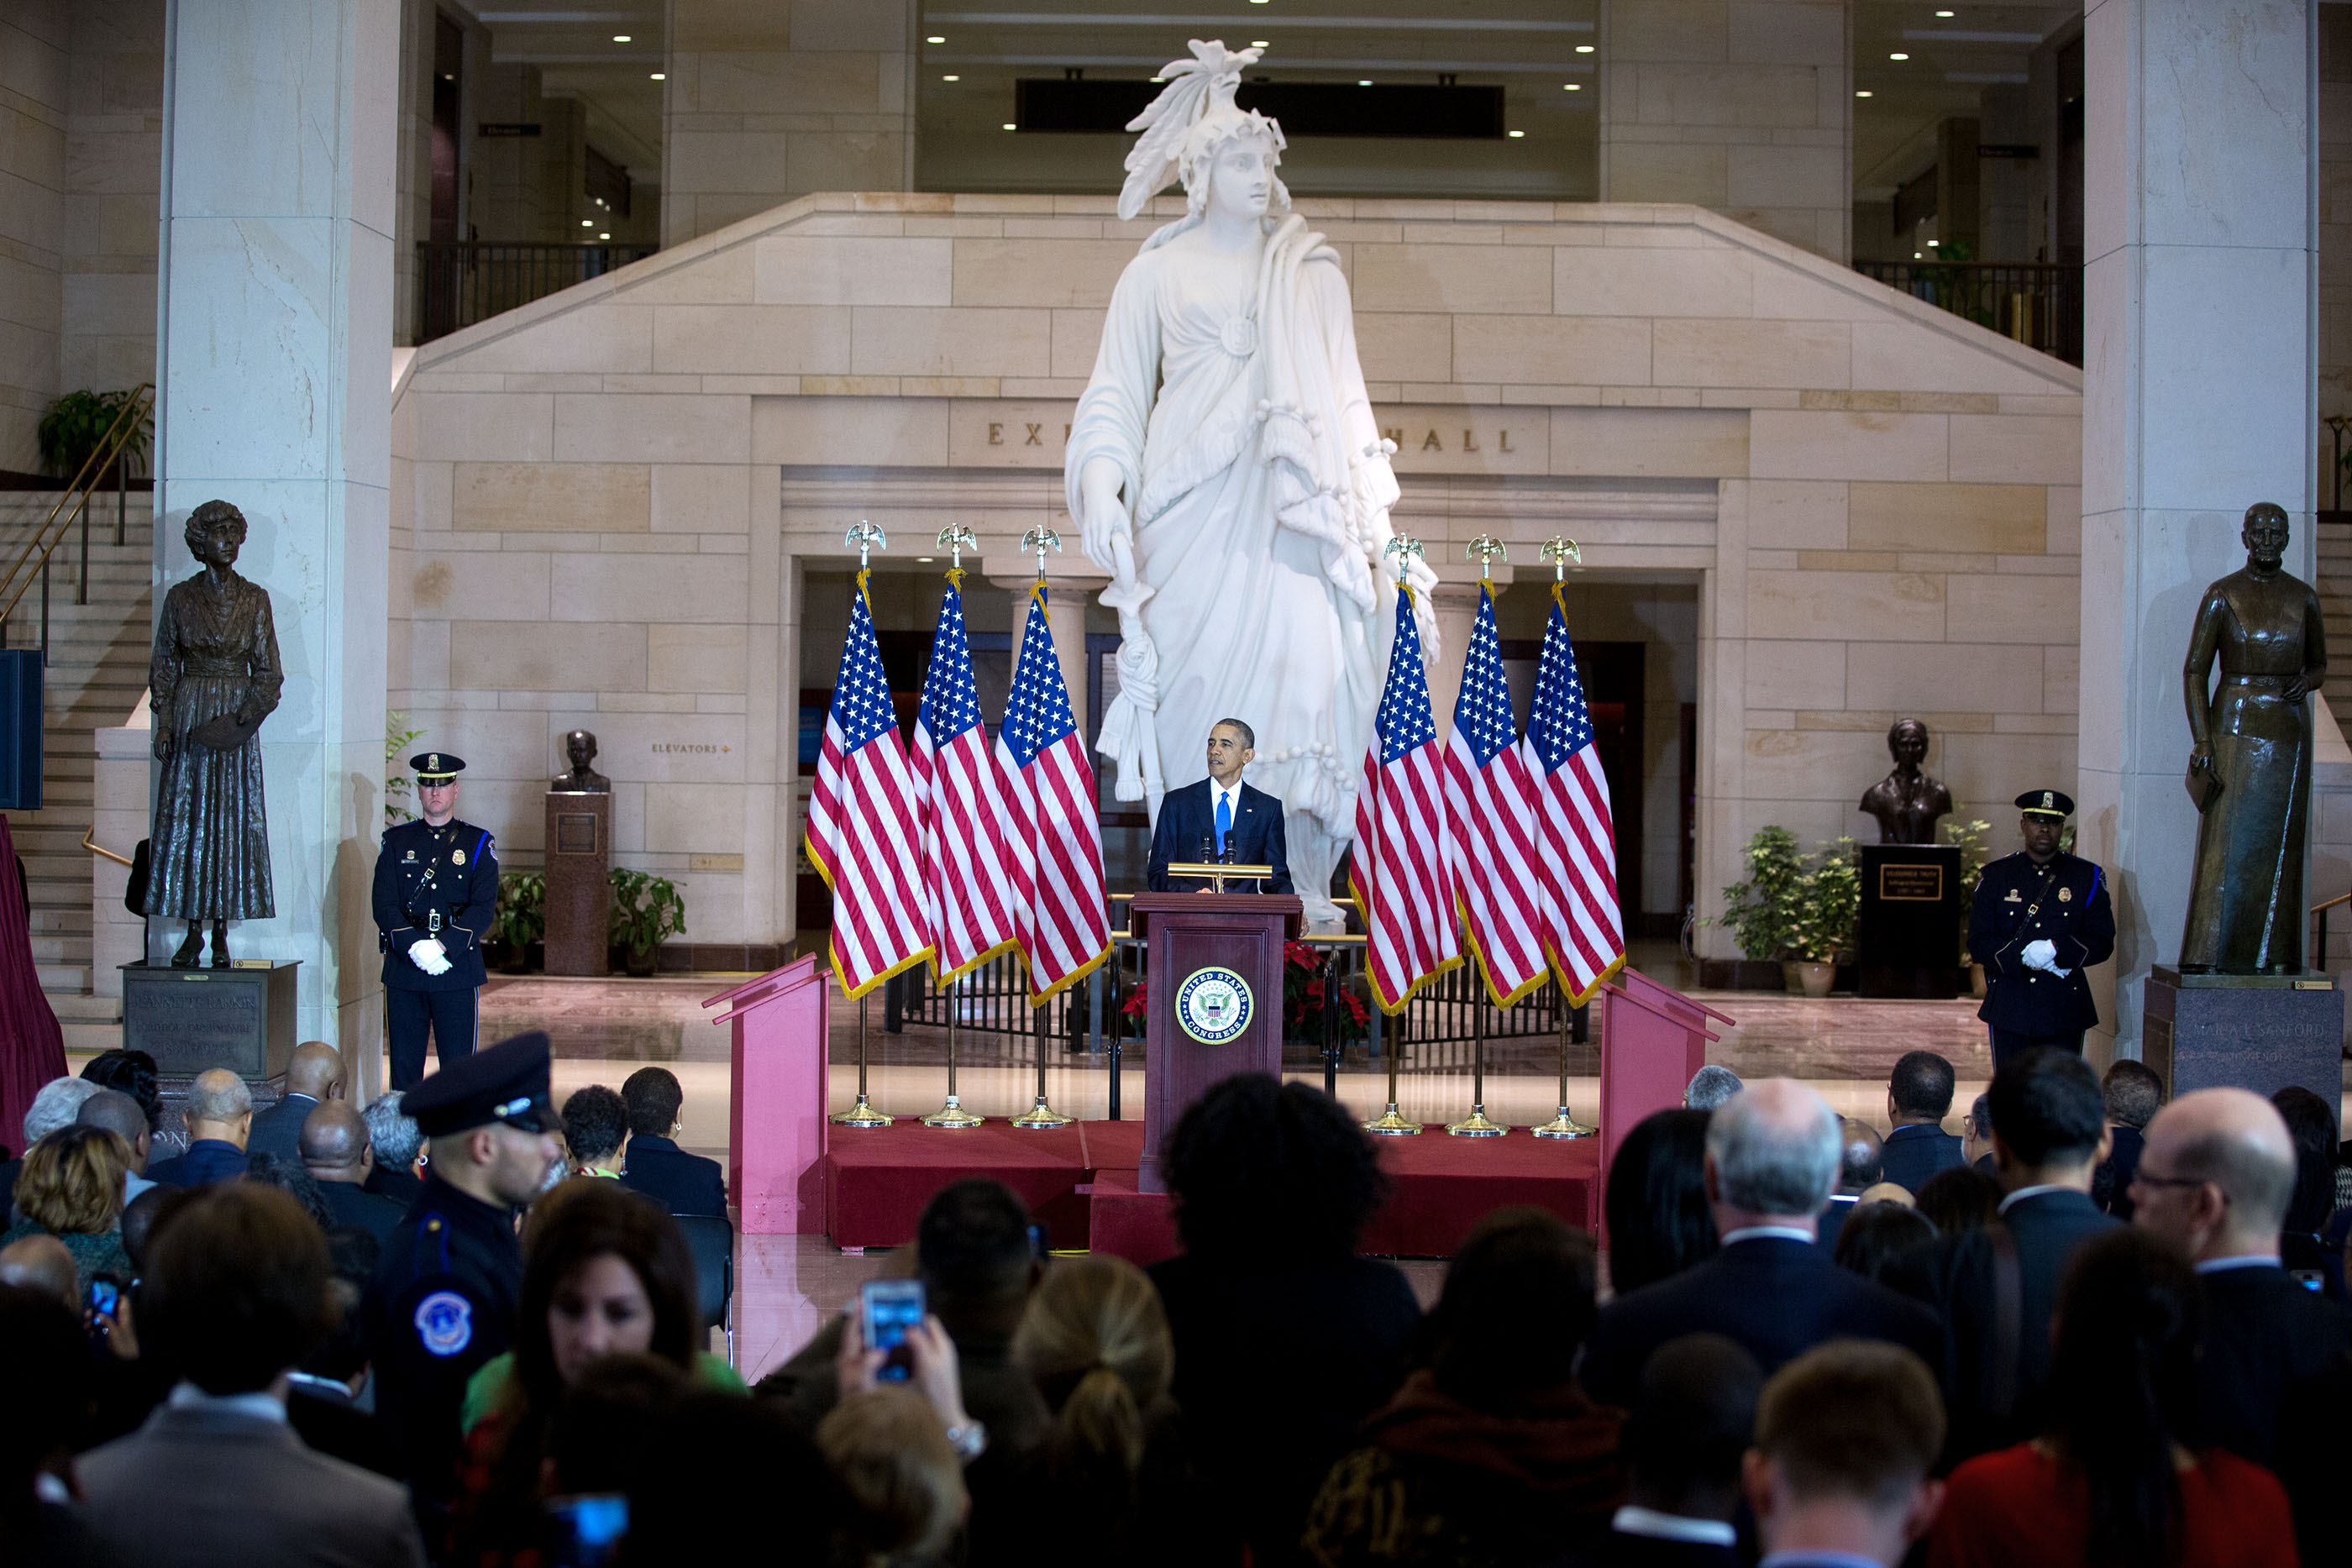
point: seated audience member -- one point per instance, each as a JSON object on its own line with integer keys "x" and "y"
{"x": 1683, "y": 1441}
{"x": 285, "y": 1174}
{"x": 2134, "y": 1095}
{"x": 2111, "y": 1479}
{"x": 605, "y": 1272}
{"x": 1710, "y": 1086}
{"x": 1895, "y": 1245}
{"x": 326, "y": 1393}
{"x": 120, "y": 1114}
{"x": 1113, "y": 1469}
{"x": 134, "y": 1073}
{"x": 220, "y": 1117}
{"x": 396, "y": 1142}
{"x": 1976, "y": 1135}
{"x": 54, "y": 1106}
{"x": 1965, "y": 1198}
{"x": 71, "y": 1188}
{"x": 1771, "y": 1159}
{"x": 601, "y": 1440}
{"x": 1655, "y": 1200}
{"x": 679, "y": 1182}
{"x": 2304, "y": 1244}
{"x": 1918, "y": 1098}
{"x": 235, "y": 1297}
{"x": 44, "y": 1362}
{"x": 596, "y": 1131}
{"x": 1841, "y": 1470}
{"x": 42, "y": 1265}
{"x": 1861, "y": 1166}
{"x": 901, "y": 1480}
{"x": 1273, "y": 1184}
{"x": 142, "y": 1215}
{"x": 722, "y": 1471}
{"x": 314, "y": 1075}
{"x": 336, "y": 1151}
{"x": 2215, "y": 1179}
{"x": 1491, "y": 1453}
{"x": 2049, "y": 1128}
{"x": 1889, "y": 1192}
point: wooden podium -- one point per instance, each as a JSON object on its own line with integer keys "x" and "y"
{"x": 1186, "y": 933}
{"x": 1653, "y": 1040}
{"x": 776, "y": 1125}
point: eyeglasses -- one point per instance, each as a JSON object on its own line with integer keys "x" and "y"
{"x": 2141, "y": 1178}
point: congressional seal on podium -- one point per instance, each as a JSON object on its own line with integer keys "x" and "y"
{"x": 1213, "y": 1005}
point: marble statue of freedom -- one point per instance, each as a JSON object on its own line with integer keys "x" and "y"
{"x": 1225, "y": 469}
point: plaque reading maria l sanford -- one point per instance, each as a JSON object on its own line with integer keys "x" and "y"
{"x": 1911, "y": 884}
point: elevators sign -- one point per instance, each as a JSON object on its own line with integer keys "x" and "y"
{"x": 1911, "y": 884}
{"x": 576, "y": 833}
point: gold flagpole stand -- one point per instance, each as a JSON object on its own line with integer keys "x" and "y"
{"x": 1476, "y": 1125}
{"x": 863, "y": 1113}
{"x": 952, "y": 1114}
{"x": 1564, "y": 1125}
{"x": 1390, "y": 1124}
{"x": 1041, "y": 1117}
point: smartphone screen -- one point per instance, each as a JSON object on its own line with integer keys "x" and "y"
{"x": 888, "y": 1309}
{"x": 586, "y": 1532}
{"x": 105, "y": 1297}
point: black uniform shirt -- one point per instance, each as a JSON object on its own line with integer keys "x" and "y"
{"x": 422, "y": 873}
{"x": 2064, "y": 903}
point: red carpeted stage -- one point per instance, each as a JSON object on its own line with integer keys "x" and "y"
{"x": 1080, "y": 1182}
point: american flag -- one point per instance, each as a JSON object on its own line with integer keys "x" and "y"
{"x": 1398, "y": 868}
{"x": 862, "y": 828}
{"x": 1576, "y": 848}
{"x": 1061, "y": 917}
{"x": 966, "y": 807}
{"x": 1490, "y": 822}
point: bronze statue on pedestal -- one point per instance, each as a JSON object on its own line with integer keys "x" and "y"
{"x": 1907, "y": 801}
{"x": 2251, "y": 758}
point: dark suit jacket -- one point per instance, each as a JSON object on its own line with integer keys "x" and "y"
{"x": 2111, "y": 1183}
{"x": 278, "y": 1130}
{"x": 1916, "y": 1153}
{"x": 1187, "y": 817}
{"x": 679, "y": 1182}
{"x": 1777, "y": 1297}
{"x": 1832, "y": 1219}
{"x": 194, "y": 1489}
{"x": 328, "y": 1420}
{"x": 398, "y": 1185}
{"x": 2047, "y": 1229}
{"x": 356, "y": 1205}
{"x": 2272, "y": 1388}
{"x": 208, "y": 1160}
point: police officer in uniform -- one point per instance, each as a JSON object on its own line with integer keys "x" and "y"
{"x": 2041, "y": 918}
{"x": 447, "y": 1288}
{"x": 436, "y": 891}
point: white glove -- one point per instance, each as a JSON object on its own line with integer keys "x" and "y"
{"x": 429, "y": 956}
{"x": 2040, "y": 954}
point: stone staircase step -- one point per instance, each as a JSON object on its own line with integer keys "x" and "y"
{"x": 87, "y": 1008}
{"x": 63, "y": 977}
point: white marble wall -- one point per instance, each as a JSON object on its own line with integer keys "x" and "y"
{"x": 1871, "y": 504}
{"x": 33, "y": 43}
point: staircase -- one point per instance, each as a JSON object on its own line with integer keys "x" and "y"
{"x": 2334, "y": 569}
{"x": 97, "y": 672}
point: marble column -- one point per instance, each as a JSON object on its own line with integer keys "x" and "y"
{"x": 274, "y": 365}
{"x": 1456, "y": 606}
{"x": 1066, "y": 612}
{"x": 2199, "y": 292}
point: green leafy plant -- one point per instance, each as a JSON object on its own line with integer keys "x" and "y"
{"x": 1825, "y": 904}
{"x": 522, "y": 919}
{"x": 645, "y": 909}
{"x": 398, "y": 787}
{"x": 77, "y": 423}
{"x": 1757, "y": 908}
{"x": 1969, "y": 839}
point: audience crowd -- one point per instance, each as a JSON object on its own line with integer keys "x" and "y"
{"x": 2083, "y": 1326}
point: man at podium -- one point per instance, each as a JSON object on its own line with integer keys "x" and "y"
{"x": 1220, "y": 818}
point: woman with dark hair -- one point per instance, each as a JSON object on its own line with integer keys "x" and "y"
{"x": 606, "y": 1271}
{"x": 133, "y": 1072}
{"x": 1286, "y": 1340}
{"x": 1491, "y": 1453}
{"x": 1893, "y": 1244}
{"x": 2109, "y": 1484}
{"x": 1963, "y": 1198}
{"x": 2308, "y": 1245}
{"x": 1659, "y": 1222}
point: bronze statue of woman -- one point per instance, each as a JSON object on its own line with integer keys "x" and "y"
{"x": 2250, "y": 766}
{"x": 1907, "y": 802}
{"x": 215, "y": 676}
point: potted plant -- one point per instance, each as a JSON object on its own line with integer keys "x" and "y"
{"x": 399, "y": 789}
{"x": 1756, "y": 908}
{"x": 645, "y": 909}
{"x": 1822, "y": 909}
{"x": 1968, "y": 838}
{"x": 77, "y": 423}
{"x": 522, "y": 919}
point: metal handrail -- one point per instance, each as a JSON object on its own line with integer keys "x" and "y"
{"x": 2317, "y": 958}
{"x": 97, "y": 849}
{"x": 111, "y": 448}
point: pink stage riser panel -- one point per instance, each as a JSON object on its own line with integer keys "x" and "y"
{"x": 776, "y": 1121}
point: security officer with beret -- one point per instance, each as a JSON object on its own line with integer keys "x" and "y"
{"x": 2041, "y": 917}
{"x": 451, "y": 1277}
{"x": 437, "y": 891}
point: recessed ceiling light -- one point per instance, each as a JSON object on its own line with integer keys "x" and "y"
{"x": 1260, "y": 43}
{"x": 925, "y": 559}
{"x": 603, "y": 237}
{"x": 448, "y": 76}
{"x": 1915, "y": 255}
{"x": 621, "y": 37}
{"x": 1572, "y": 87}
{"x": 936, "y": 38}
{"x": 1157, "y": 80}
{"x": 1933, "y": 244}
{"x": 1584, "y": 48}
{"x": 587, "y": 223}
{"x": 659, "y": 76}
{"x": 1898, "y": 54}
{"x": 1514, "y": 135}
{"x": 1862, "y": 92}
{"x": 952, "y": 79}
{"x": 1009, "y": 125}
{"x": 1366, "y": 82}
{"x": 1257, "y": 1}
{"x": 1945, "y": 14}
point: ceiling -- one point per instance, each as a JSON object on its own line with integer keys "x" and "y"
{"x": 1953, "y": 60}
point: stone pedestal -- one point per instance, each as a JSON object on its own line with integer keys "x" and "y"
{"x": 579, "y": 881}
{"x": 2261, "y": 1032}
{"x": 1907, "y": 941}
{"x": 192, "y": 1020}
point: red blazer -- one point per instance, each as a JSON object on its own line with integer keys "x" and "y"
{"x": 2019, "y": 1508}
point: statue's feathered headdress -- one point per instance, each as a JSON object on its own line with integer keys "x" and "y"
{"x": 1191, "y": 116}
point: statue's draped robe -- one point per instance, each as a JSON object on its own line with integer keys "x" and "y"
{"x": 1259, "y": 490}
{"x": 215, "y": 656}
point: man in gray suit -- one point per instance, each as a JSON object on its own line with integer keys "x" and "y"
{"x": 234, "y": 1294}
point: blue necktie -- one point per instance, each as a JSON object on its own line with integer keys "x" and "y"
{"x": 1224, "y": 819}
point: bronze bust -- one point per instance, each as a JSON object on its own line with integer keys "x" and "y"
{"x": 2250, "y": 757}
{"x": 1907, "y": 802}
{"x": 213, "y": 678}
{"x": 581, "y": 746}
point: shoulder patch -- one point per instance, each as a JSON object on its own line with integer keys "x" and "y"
{"x": 444, "y": 1322}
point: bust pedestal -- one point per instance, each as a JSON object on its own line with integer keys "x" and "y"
{"x": 1907, "y": 938}
{"x": 579, "y": 881}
